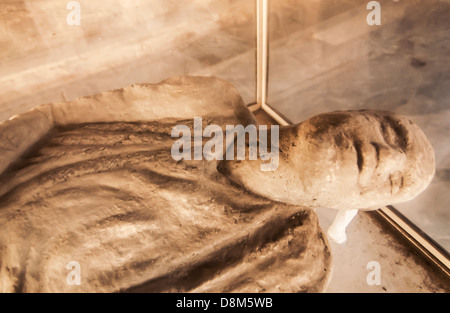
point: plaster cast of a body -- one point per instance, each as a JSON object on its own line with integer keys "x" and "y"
{"x": 346, "y": 160}
{"x": 343, "y": 160}
{"x": 93, "y": 181}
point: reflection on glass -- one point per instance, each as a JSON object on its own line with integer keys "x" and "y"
{"x": 323, "y": 56}
{"x": 118, "y": 43}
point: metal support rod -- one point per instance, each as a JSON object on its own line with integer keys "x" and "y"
{"x": 261, "y": 51}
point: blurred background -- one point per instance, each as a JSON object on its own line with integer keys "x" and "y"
{"x": 118, "y": 43}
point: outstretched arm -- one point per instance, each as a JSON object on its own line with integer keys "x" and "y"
{"x": 337, "y": 229}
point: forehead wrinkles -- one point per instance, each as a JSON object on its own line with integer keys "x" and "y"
{"x": 322, "y": 124}
{"x": 395, "y": 132}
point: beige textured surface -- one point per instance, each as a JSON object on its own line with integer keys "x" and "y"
{"x": 179, "y": 97}
{"x": 21, "y": 132}
{"x": 109, "y": 196}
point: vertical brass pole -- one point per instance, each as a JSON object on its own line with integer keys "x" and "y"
{"x": 261, "y": 51}
{"x": 262, "y": 30}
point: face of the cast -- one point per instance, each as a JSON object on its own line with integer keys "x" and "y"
{"x": 345, "y": 160}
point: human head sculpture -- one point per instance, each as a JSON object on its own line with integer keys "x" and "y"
{"x": 344, "y": 160}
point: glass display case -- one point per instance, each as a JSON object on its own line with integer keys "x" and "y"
{"x": 353, "y": 55}
{"x": 289, "y": 60}
{"x": 326, "y": 57}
